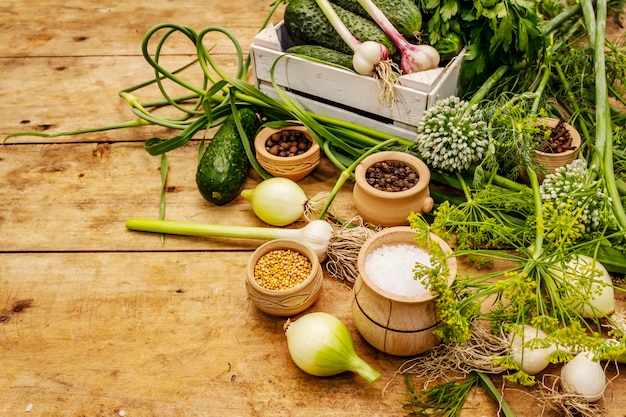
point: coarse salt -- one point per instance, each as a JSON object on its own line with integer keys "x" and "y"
{"x": 391, "y": 268}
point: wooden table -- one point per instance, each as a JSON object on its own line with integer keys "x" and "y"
{"x": 96, "y": 320}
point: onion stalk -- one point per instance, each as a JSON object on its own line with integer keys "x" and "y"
{"x": 321, "y": 345}
{"x": 315, "y": 234}
{"x": 414, "y": 57}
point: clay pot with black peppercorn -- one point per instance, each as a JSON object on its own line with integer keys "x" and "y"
{"x": 288, "y": 152}
{"x": 391, "y": 185}
{"x": 560, "y": 147}
{"x": 557, "y": 146}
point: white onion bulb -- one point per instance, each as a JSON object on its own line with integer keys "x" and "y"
{"x": 593, "y": 295}
{"x": 584, "y": 376}
{"x": 320, "y": 344}
{"x": 277, "y": 201}
{"x": 531, "y": 360}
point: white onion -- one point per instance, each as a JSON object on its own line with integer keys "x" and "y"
{"x": 584, "y": 376}
{"x": 589, "y": 287}
{"x": 320, "y": 344}
{"x": 277, "y": 201}
{"x": 531, "y": 360}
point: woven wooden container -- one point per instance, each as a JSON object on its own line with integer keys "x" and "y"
{"x": 293, "y": 167}
{"x": 387, "y": 208}
{"x": 293, "y": 300}
{"x": 399, "y": 325}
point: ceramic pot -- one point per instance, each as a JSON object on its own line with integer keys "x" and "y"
{"x": 400, "y": 325}
{"x": 552, "y": 161}
{"x": 387, "y": 208}
{"x": 293, "y": 167}
{"x": 290, "y": 301}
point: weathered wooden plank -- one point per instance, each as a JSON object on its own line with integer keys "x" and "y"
{"x": 77, "y": 197}
{"x": 172, "y": 334}
{"x": 60, "y": 94}
{"x": 113, "y": 28}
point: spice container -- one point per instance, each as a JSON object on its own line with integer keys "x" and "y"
{"x": 395, "y": 316}
{"x": 391, "y": 208}
{"x": 553, "y": 160}
{"x": 283, "y": 277}
{"x": 295, "y": 166}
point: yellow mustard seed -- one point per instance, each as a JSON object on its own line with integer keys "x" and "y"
{"x": 282, "y": 269}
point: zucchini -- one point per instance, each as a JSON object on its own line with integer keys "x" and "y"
{"x": 405, "y": 15}
{"x": 224, "y": 165}
{"x": 323, "y": 54}
{"x": 306, "y": 22}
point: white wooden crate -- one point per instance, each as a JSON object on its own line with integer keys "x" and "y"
{"x": 345, "y": 95}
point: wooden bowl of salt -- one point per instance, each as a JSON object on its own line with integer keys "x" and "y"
{"x": 394, "y": 312}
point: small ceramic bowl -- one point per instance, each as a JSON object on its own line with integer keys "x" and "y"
{"x": 552, "y": 161}
{"x": 293, "y": 167}
{"x": 391, "y": 208}
{"x": 290, "y": 301}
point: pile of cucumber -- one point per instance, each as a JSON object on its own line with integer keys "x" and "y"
{"x": 316, "y": 38}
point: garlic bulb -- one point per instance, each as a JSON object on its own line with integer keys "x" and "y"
{"x": 531, "y": 360}
{"x": 584, "y": 376}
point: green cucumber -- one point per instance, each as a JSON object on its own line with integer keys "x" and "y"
{"x": 323, "y": 54}
{"x": 224, "y": 165}
{"x": 306, "y": 22}
{"x": 405, "y": 15}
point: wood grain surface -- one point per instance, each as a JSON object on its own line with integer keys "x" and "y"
{"x": 96, "y": 320}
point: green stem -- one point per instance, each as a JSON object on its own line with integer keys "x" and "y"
{"x": 557, "y": 21}
{"x": 541, "y": 87}
{"x": 124, "y": 125}
{"x": 539, "y": 225}
{"x": 346, "y": 174}
{"x": 484, "y": 89}
{"x": 495, "y": 394}
{"x": 209, "y": 230}
{"x": 602, "y": 161}
{"x": 464, "y": 187}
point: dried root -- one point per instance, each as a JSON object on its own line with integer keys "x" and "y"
{"x": 343, "y": 249}
{"x": 477, "y": 354}
{"x": 315, "y": 205}
{"x": 566, "y": 404}
{"x": 387, "y": 73}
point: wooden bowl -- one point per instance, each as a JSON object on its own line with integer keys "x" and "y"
{"x": 386, "y": 208}
{"x": 290, "y": 301}
{"x": 552, "y": 161}
{"x": 292, "y": 167}
{"x": 396, "y": 324}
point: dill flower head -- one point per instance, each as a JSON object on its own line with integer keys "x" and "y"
{"x": 451, "y": 136}
{"x": 573, "y": 203}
